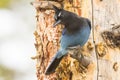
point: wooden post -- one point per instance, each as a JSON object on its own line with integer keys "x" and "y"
{"x": 104, "y": 53}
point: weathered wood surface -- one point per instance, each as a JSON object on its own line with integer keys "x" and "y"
{"x": 107, "y": 42}
{"x": 107, "y": 17}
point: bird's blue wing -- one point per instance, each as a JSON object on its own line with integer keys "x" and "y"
{"x": 79, "y": 38}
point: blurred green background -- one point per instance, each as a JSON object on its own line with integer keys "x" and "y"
{"x": 17, "y": 24}
{"x": 5, "y": 3}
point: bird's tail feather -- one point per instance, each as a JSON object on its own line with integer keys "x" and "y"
{"x": 53, "y": 65}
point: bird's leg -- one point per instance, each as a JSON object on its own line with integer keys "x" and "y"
{"x": 75, "y": 52}
{"x": 85, "y": 61}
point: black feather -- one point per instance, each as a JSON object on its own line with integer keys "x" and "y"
{"x": 53, "y": 65}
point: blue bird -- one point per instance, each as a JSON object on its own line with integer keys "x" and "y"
{"x": 76, "y": 32}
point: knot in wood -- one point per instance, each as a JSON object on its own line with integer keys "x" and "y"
{"x": 101, "y": 49}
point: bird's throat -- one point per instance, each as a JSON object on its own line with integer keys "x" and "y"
{"x": 72, "y": 30}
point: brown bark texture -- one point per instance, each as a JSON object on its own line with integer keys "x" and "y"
{"x": 104, "y": 54}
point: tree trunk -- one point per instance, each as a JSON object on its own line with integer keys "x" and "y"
{"x": 104, "y": 54}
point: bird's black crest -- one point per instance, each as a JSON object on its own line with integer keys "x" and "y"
{"x": 58, "y": 12}
{"x": 56, "y": 9}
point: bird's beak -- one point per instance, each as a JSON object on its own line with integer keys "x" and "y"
{"x": 56, "y": 23}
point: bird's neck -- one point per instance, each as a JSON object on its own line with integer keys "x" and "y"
{"x": 74, "y": 25}
{"x": 72, "y": 29}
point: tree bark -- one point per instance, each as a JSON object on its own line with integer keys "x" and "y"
{"x": 104, "y": 54}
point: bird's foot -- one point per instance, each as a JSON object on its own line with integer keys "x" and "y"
{"x": 75, "y": 52}
{"x": 84, "y": 60}
{"x": 77, "y": 57}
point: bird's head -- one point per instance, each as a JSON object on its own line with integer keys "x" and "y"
{"x": 61, "y": 16}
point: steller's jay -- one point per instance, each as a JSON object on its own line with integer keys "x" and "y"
{"x": 76, "y": 32}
